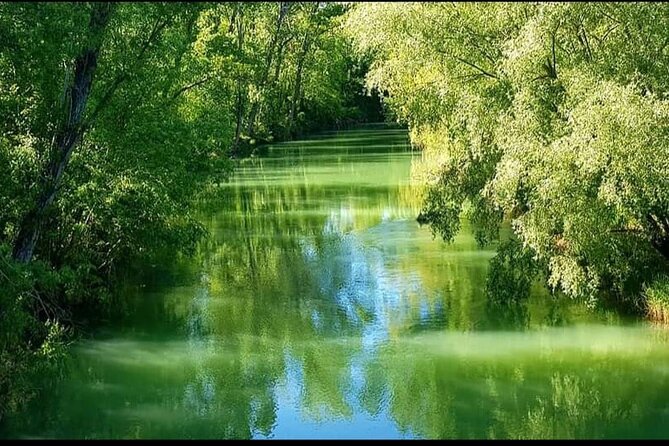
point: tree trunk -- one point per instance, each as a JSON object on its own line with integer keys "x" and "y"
{"x": 239, "y": 117}
{"x": 66, "y": 139}
{"x": 298, "y": 83}
{"x": 279, "y": 63}
{"x": 306, "y": 43}
{"x": 255, "y": 105}
{"x": 239, "y": 102}
{"x": 659, "y": 233}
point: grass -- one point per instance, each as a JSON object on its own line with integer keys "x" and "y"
{"x": 657, "y": 300}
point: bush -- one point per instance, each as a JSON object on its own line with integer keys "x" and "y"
{"x": 31, "y": 350}
{"x": 657, "y": 300}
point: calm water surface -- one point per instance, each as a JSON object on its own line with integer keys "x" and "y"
{"x": 320, "y": 309}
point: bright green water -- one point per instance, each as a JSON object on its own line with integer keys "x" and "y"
{"x": 320, "y": 309}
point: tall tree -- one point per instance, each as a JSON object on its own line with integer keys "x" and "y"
{"x": 237, "y": 22}
{"x": 70, "y": 130}
{"x": 551, "y": 116}
{"x": 284, "y": 7}
{"x": 310, "y": 34}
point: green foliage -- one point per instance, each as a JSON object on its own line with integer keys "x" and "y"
{"x": 553, "y": 116}
{"x": 311, "y": 71}
{"x": 22, "y": 309}
{"x": 657, "y": 300}
{"x": 512, "y": 271}
{"x": 171, "y": 97}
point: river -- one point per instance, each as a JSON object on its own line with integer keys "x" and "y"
{"x": 319, "y": 308}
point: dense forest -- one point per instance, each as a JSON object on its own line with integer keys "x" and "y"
{"x": 548, "y": 118}
{"x": 115, "y": 115}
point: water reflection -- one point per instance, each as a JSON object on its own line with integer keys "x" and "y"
{"x": 319, "y": 308}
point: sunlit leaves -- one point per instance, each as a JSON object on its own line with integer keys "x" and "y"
{"x": 551, "y": 113}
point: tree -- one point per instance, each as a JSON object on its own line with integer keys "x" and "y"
{"x": 70, "y": 130}
{"x": 551, "y": 116}
{"x": 113, "y": 118}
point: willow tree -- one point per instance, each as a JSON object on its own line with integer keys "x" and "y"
{"x": 551, "y": 115}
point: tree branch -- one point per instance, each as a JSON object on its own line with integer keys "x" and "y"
{"x": 190, "y": 86}
{"x": 484, "y": 72}
{"x": 157, "y": 28}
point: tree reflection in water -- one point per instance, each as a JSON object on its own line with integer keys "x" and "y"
{"x": 319, "y": 308}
